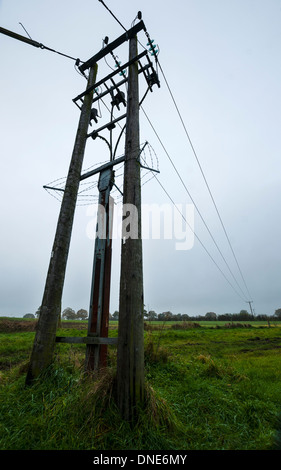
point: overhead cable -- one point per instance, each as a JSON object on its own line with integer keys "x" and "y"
{"x": 195, "y": 205}
{"x": 37, "y": 44}
{"x": 195, "y": 154}
{"x": 204, "y": 177}
{"x": 201, "y": 243}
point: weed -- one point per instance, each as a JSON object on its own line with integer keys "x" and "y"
{"x": 155, "y": 353}
{"x": 216, "y": 369}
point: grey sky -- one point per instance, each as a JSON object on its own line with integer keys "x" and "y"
{"x": 222, "y": 62}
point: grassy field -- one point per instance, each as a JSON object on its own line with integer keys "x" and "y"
{"x": 209, "y": 387}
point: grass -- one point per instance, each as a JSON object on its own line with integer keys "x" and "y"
{"x": 206, "y": 388}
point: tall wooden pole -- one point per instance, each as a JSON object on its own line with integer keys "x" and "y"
{"x": 44, "y": 342}
{"x": 130, "y": 352}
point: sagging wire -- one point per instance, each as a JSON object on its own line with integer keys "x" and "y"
{"x": 205, "y": 180}
{"x": 201, "y": 243}
{"x": 194, "y": 203}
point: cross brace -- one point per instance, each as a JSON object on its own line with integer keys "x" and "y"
{"x": 111, "y": 75}
{"x": 85, "y": 340}
{"x": 103, "y": 167}
{"x": 113, "y": 45}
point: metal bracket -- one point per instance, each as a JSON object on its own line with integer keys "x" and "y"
{"x": 113, "y": 45}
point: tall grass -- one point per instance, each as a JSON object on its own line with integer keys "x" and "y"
{"x": 64, "y": 410}
{"x": 205, "y": 389}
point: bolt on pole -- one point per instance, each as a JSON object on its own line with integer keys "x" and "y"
{"x": 130, "y": 350}
{"x": 44, "y": 342}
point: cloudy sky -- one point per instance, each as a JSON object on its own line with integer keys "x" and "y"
{"x": 221, "y": 60}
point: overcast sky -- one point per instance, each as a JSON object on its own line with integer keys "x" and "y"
{"x": 221, "y": 59}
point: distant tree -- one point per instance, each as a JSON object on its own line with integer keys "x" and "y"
{"x": 244, "y": 315}
{"x": 115, "y": 315}
{"x": 185, "y": 317}
{"x": 82, "y": 314}
{"x": 69, "y": 314}
{"x": 152, "y": 315}
{"x": 262, "y": 317}
{"x": 29, "y": 315}
{"x": 211, "y": 316}
{"x": 225, "y": 317}
{"x": 177, "y": 317}
{"x": 165, "y": 316}
{"x": 278, "y": 313}
{"x": 37, "y": 313}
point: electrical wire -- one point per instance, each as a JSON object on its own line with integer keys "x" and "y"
{"x": 195, "y": 154}
{"x": 204, "y": 177}
{"x": 42, "y": 46}
{"x": 201, "y": 243}
{"x": 101, "y": 1}
{"x": 195, "y": 205}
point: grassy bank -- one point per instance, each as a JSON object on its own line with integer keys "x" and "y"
{"x": 207, "y": 389}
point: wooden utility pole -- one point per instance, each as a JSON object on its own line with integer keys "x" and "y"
{"x": 44, "y": 342}
{"x": 130, "y": 352}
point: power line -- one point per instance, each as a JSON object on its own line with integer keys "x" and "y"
{"x": 195, "y": 154}
{"x": 101, "y": 1}
{"x": 37, "y": 44}
{"x": 188, "y": 192}
{"x": 204, "y": 177}
{"x": 201, "y": 243}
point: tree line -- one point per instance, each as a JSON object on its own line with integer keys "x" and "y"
{"x": 243, "y": 315}
{"x": 151, "y": 315}
{"x": 67, "y": 314}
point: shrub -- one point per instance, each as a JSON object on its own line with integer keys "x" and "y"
{"x": 154, "y": 353}
{"x": 185, "y": 325}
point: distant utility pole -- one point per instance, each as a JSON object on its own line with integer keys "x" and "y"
{"x": 130, "y": 352}
{"x": 44, "y": 342}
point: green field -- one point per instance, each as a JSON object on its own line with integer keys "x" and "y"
{"x": 209, "y": 387}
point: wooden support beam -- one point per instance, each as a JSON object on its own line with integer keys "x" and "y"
{"x": 113, "y": 45}
{"x": 86, "y": 340}
{"x": 102, "y": 168}
{"x": 111, "y": 75}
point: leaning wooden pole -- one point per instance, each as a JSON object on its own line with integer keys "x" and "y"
{"x": 130, "y": 352}
{"x": 44, "y": 342}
